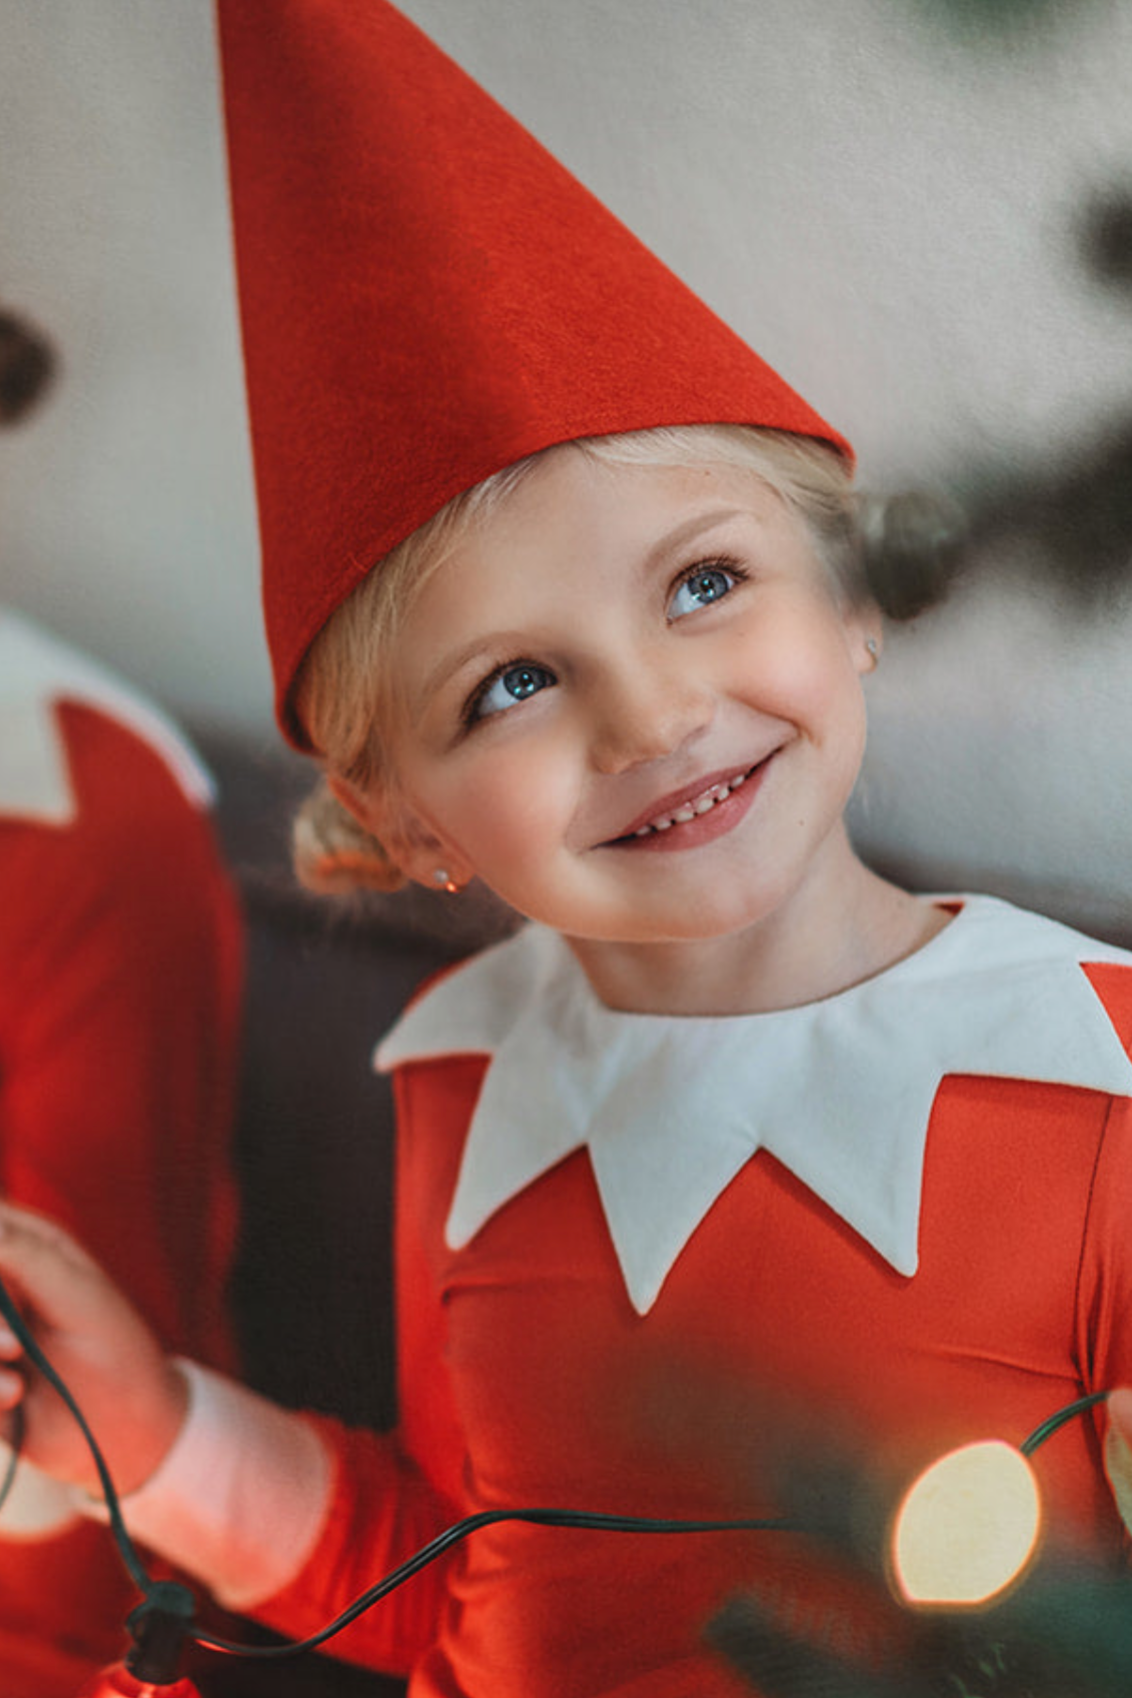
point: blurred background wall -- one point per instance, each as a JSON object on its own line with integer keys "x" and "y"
{"x": 916, "y": 209}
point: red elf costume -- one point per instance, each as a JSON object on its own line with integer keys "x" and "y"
{"x": 622, "y": 1240}
{"x": 120, "y": 968}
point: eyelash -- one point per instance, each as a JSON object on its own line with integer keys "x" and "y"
{"x": 469, "y": 715}
{"x": 718, "y": 563}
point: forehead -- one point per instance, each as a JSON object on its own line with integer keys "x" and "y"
{"x": 572, "y": 511}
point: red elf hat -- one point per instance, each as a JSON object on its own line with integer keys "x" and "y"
{"x": 427, "y": 296}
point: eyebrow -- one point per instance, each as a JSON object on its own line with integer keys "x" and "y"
{"x": 453, "y": 664}
{"x": 670, "y": 543}
{"x": 676, "y": 538}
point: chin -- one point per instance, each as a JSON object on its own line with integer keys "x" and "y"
{"x": 705, "y": 924}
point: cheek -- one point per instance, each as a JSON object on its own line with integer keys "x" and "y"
{"x": 800, "y": 666}
{"x": 504, "y": 802}
{"x": 810, "y": 682}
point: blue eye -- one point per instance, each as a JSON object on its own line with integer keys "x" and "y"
{"x": 515, "y": 684}
{"x": 700, "y": 588}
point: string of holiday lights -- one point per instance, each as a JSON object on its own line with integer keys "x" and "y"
{"x": 163, "y": 1625}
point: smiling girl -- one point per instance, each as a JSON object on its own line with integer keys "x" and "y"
{"x": 737, "y": 1157}
{"x": 628, "y": 698}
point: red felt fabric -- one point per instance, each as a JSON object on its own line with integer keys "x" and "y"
{"x": 427, "y": 296}
{"x": 120, "y": 970}
{"x": 527, "y": 1378}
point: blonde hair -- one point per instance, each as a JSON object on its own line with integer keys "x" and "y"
{"x": 347, "y": 687}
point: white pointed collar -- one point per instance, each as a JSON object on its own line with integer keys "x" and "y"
{"x": 36, "y": 672}
{"x": 671, "y": 1108}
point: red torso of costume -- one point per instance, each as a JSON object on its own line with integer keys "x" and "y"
{"x": 528, "y": 1378}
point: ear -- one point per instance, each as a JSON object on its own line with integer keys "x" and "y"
{"x": 416, "y": 847}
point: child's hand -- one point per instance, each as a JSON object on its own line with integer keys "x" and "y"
{"x": 130, "y": 1392}
{"x": 1118, "y": 1451}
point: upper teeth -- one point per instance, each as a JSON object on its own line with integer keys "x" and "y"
{"x": 688, "y": 810}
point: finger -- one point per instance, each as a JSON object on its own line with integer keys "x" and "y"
{"x": 19, "y": 1219}
{"x": 49, "y": 1269}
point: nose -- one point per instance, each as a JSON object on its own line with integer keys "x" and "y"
{"x": 646, "y": 709}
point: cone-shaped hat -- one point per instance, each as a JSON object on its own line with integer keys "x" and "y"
{"x": 427, "y": 296}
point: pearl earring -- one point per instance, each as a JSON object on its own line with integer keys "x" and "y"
{"x": 442, "y": 878}
{"x": 871, "y": 645}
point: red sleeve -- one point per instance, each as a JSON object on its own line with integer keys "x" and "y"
{"x": 120, "y": 978}
{"x": 1104, "y": 1297}
{"x": 382, "y": 1511}
{"x": 1105, "y": 1288}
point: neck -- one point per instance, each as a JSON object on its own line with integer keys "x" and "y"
{"x": 821, "y": 941}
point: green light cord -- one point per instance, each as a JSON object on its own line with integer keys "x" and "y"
{"x": 489, "y": 1518}
{"x": 137, "y": 1571}
{"x": 1054, "y": 1422}
{"x": 429, "y": 1553}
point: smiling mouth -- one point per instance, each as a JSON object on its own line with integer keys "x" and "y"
{"x": 694, "y": 808}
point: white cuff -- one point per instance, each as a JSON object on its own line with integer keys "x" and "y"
{"x": 36, "y": 1507}
{"x": 241, "y": 1496}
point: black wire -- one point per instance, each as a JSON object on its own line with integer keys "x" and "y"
{"x": 428, "y": 1554}
{"x": 583, "y": 1519}
{"x": 487, "y": 1518}
{"x": 436, "y": 1547}
{"x": 1053, "y": 1423}
{"x": 137, "y": 1571}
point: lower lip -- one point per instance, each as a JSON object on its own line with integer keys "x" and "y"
{"x": 705, "y": 828}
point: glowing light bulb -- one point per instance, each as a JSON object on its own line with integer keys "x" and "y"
{"x": 118, "y": 1682}
{"x": 967, "y": 1527}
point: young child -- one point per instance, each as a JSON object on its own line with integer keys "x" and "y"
{"x": 738, "y": 1144}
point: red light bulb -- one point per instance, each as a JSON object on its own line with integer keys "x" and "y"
{"x": 118, "y": 1682}
{"x": 160, "y": 1627}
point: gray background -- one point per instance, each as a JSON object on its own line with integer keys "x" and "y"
{"x": 884, "y": 196}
